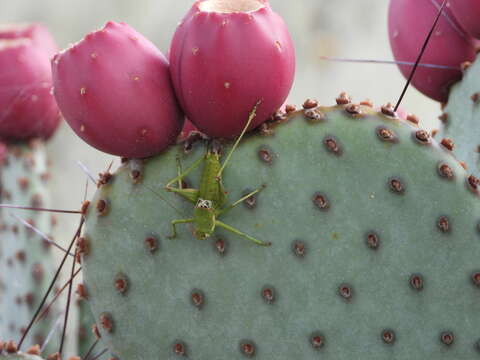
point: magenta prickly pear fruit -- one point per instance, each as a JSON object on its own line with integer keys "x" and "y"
{"x": 467, "y": 13}
{"x": 409, "y": 22}
{"x": 114, "y": 89}
{"x": 38, "y": 33}
{"x": 225, "y": 56}
{"x": 27, "y": 107}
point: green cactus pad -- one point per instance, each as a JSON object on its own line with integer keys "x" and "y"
{"x": 375, "y": 249}
{"x": 26, "y": 261}
{"x": 462, "y": 118}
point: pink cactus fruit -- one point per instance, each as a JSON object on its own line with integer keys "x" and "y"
{"x": 38, "y": 33}
{"x": 225, "y": 56}
{"x": 114, "y": 89}
{"x": 409, "y": 22}
{"x": 467, "y": 13}
{"x": 27, "y": 107}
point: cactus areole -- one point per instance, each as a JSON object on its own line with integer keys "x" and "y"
{"x": 226, "y": 55}
{"x": 114, "y": 89}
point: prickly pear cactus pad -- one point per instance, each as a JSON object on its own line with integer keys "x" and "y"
{"x": 463, "y": 117}
{"x": 26, "y": 262}
{"x": 375, "y": 248}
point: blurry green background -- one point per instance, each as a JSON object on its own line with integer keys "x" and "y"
{"x": 347, "y": 28}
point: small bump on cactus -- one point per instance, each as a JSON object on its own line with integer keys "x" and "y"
{"x": 374, "y": 222}
{"x": 244, "y": 49}
{"x": 114, "y": 90}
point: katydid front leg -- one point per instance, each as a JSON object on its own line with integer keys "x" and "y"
{"x": 174, "y": 226}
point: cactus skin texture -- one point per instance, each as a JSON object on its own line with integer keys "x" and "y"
{"x": 461, "y": 117}
{"x": 246, "y": 56}
{"x": 118, "y": 69}
{"x": 409, "y": 22}
{"x": 374, "y": 256}
{"x": 26, "y": 262}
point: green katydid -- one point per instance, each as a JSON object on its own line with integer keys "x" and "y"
{"x": 210, "y": 198}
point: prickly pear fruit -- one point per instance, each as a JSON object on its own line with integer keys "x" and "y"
{"x": 374, "y": 255}
{"x": 27, "y": 107}
{"x": 114, "y": 90}
{"x": 38, "y": 33}
{"x": 409, "y": 22}
{"x": 26, "y": 260}
{"x": 244, "y": 50}
{"x": 467, "y": 13}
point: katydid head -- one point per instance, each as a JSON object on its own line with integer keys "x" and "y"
{"x": 200, "y": 235}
